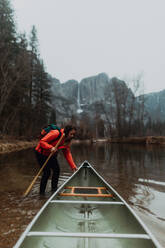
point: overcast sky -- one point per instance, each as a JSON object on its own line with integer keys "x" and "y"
{"x": 81, "y": 38}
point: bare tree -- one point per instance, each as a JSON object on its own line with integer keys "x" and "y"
{"x": 136, "y": 113}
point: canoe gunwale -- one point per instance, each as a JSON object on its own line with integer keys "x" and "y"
{"x": 24, "y": 234}
{"x": 86, "y": 164}
{"x": 156, "y": 243}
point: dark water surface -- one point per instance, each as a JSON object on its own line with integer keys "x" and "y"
{"x": 137, "y": 172}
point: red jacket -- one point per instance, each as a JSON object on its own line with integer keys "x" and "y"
{"x": 50, "y": 140}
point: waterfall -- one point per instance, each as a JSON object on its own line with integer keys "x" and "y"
{"x": 79, "y": 110}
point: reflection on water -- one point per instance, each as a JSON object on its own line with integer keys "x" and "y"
{"x": 126, "y": 166}
{"x": 137, "y": 172}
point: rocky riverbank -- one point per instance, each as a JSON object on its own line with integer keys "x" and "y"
{"x": 12, "y": 145}
{"x": 15, "y": 145}
{"x": 159, "y": 140}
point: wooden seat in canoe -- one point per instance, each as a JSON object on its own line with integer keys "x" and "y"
{"x": 86, "y": 191}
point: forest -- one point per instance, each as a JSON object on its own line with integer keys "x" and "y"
{"x": 25, "y": 94}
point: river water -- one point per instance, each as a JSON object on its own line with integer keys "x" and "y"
{"x": 137, "y": 173}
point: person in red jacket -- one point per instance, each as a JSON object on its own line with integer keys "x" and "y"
{"x": 46, "y": 146}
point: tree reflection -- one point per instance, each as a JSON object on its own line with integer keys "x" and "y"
{"x": 124, "y": 165}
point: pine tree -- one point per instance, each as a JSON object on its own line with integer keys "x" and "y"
{"x": 34, "y": 60}
{"x": 42, "y": 95}
{"x": 25, "y": 99}
{"x": 8, "y": 50}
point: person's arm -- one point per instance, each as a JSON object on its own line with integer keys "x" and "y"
{"x": 69, "y": 158}
{"x": 45, "y": 142}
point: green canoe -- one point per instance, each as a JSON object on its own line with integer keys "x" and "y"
{"x": 86, "y": 212}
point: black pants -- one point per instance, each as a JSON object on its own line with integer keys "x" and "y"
{"x": 53, "y": 165}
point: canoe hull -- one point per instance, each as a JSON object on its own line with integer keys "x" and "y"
{"x": 86, "y": 217}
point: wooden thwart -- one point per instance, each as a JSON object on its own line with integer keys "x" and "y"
{"x": 79, "y": 191}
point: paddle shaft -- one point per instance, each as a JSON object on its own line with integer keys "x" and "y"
{"x": 35, "y": 178}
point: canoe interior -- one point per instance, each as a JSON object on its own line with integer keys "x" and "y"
{"x": 57, "y": 242}
{"x": 77, "y": 217}
{"x": 86, "y": 177}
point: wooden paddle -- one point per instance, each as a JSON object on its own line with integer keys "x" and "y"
{"x": 31, "y": 185}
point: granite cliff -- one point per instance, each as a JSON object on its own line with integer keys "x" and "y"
{"x": 96, "y": 97}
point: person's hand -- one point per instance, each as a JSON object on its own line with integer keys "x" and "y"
{"x": 53, "y": 150}
{"x": 74, "y": 169}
